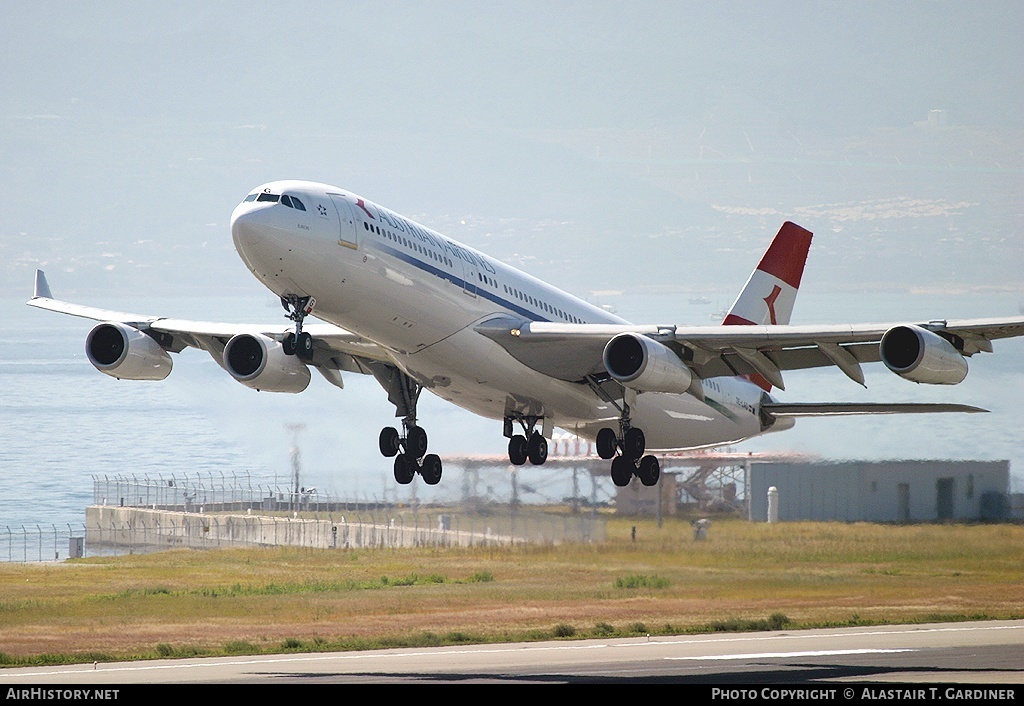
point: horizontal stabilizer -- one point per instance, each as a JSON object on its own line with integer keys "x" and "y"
{"x": 835, "y": 409}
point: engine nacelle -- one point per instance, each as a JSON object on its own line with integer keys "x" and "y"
{"x": 645, "y": 365}
{"x": 124, "y": 352}
{"x": 918, "y": 354}
{"x": 260, "y": 362}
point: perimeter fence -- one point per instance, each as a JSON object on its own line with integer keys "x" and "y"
{"x": 196, "y": 493}
{"x": 144, "y": 529}
{"x": 131, "y": 515}
{"x": 36, "y": 543}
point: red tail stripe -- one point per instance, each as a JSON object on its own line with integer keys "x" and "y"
{"x": 787, "y": 254}
{"x": 733, "y": 320}
{"x": 760, "y": 381}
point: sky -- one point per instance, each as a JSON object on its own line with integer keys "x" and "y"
{"x": 640, "y": 155}
{"x": 535, "y": 131}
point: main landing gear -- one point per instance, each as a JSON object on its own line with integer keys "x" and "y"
{"x": 629, "y": 443}
{"x": 632, "y": 462}
{"x": 410, "y": 448}
{"x": 410, "y": 454}
{"x": 530, "y": 446}
{"x": 298, "y": 343}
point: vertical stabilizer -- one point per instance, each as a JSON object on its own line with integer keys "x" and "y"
{"x": 770, "y": 292}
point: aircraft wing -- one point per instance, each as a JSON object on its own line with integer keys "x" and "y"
{"x": 573, "y": 352}
{"x": 42, "y": 298}
{"x": 334, "y": 348}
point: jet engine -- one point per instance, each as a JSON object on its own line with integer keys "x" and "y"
{"x": 124, "y": 352}
{"x": 260, "y": 362}
{"x": 920, "y": 355}
{"x": 645, "y": 365}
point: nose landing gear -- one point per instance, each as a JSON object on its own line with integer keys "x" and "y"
{"x": 298, "y": 343}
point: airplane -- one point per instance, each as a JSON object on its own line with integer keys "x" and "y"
{"x": 418, "y": 310}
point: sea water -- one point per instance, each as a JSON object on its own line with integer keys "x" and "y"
{"x": 64, "y": 425}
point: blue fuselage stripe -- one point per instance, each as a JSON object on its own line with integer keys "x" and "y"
{"x": 458, "y": 281}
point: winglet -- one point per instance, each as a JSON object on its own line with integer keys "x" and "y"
{"x": 42, "y": 289}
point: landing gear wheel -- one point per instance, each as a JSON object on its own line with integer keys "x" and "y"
{"x": 389, "y": 442}
{"x": 606, "y": 443}
{"x": 622, "y": 471}
{"x": 304, "y": 346}
{"x": 517, "y": 450}
{"x": 415, "y": 442}
{"x": 537, "y": 449}
{"x": 633, "y": 443}
{"x": 405, "y": 470}
{"x": 649, "y": 470}
{"x": 431, "y": 469}
{"x": 289, "y": 344}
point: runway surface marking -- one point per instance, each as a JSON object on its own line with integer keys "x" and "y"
{"x": 706, "y": 639}
{"x": 814, "y": 653}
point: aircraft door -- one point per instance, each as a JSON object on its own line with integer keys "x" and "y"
{"x": 470, "y": 275}
{"x": 348, "y": 236}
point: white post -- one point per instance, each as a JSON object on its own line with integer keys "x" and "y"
{"x": 773, "y": 504}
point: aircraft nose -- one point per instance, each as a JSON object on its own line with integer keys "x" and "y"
{"x": 251, "y": 235}
{"x": 246, "y": 228}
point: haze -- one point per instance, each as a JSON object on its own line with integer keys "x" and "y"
{"x": 638, "y": 154}
{"x": 563, "y": 134}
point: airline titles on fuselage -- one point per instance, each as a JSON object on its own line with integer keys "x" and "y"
{"x": 430, "y": 244}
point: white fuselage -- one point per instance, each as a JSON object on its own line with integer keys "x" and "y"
{"x": 418, "y": 295}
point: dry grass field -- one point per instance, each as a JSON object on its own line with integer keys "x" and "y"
{"x": 744, "y": 576}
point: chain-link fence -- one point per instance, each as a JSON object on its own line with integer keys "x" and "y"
{"x": 144, "y": 529}
{"x": 194, "y": 493}
{"x": 131, "y": 514}
{"x": 41, "y": 542}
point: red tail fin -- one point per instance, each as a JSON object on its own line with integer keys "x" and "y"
{"x": 770, "y": 292}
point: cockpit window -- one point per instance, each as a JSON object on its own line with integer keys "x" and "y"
{"x": 289, "y": 201}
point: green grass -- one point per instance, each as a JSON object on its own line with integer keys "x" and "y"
{"x": 641, "y": 582}
{"x": 743, "y": 577}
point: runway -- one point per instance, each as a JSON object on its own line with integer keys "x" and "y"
{"x": 989, "y": 652}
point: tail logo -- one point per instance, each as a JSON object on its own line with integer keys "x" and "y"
{"x": 770, "y": 301}
{"x": 362, "y": 205}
